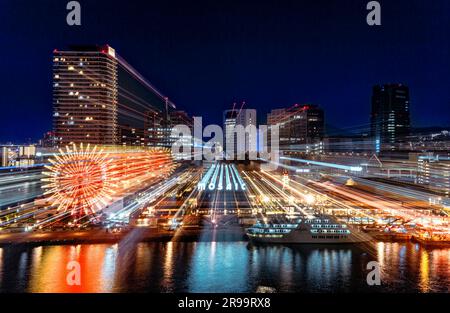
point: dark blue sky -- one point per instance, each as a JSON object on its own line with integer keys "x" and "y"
{"x": 206, "y": 54}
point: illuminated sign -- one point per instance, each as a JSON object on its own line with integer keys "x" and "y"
{"x": 222, "y": 177}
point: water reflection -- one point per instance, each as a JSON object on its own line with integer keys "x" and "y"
{"x": 48, "y": 272}
{"x": 1, "y": 264}
{"x": 410, "y": 267}
{"x": 223, "y": 267}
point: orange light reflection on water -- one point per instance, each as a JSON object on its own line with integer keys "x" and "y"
{"x": 424, "y": 265}
{"x": 49, "y": 269}
{"x": 424, "y": 271}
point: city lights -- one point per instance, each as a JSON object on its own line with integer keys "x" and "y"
{"x": 257, "y": 148}
{"x": 217, "y": 174}
{"x": 84, "y": 180}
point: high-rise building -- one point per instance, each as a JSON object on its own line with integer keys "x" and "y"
{"x": 99, "y": 98}
{"x": 240, "y": 146}
{"x": 229, "y": 125}
{"x": 177, "y": 119}
{"x": 247, "y": 118}
{"x": 4, "y": 156}
{"x": 301, "y": 127}
{"x": 181, "y": 118}
{"x": 390, "y": 118}
{"x": 434, "y": 171}
{"x": 48, "y": 140}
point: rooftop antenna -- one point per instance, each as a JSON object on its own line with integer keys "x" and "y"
{"x": 232, "y": 110}
{"x": 243, "y": 103}
{"x": 166, "y": 100}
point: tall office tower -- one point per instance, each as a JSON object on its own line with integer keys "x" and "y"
{"x": 4, "y": 156}
{"x": 178, "y": 118}
{"x": 434, "y": 171}
{"x": 276, "y": 117}
{"x": 246, "y": 118}
{"x": 229, "y": 124}
{"x": 153, "y": 129}
{"x": 246, "y": 143}
{"x": 99, "y": 98}
{"x": 85, "y": 96}
{"x": 301, "y": 127}
{"x": 390, "y": 118}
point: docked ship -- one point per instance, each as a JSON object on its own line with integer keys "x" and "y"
{"x": 318, "y": 230}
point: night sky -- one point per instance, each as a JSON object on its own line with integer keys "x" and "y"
{"x": 206, "y": 54}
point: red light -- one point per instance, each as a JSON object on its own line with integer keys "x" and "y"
{"x": 84, "y": 180}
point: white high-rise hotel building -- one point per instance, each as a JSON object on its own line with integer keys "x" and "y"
{"x": 235, "y": 146}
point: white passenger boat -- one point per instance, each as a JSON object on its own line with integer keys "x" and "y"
{"x": 323, "y": 229}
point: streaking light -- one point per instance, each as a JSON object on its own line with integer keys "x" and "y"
{"x": 325, "y": 164}
{"x": 217, "y": 174}
{"x": 83, "y": 180}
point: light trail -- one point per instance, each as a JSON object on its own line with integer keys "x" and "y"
{"x": 84, "y": 181}
{"x": 28, "y": 211}
{"x": 220, "y": 184}
{"x": 182, "y": 207}
{"x": 234, "y": 179}
{"x": 51, "y": 220}
{"x": 214, "y": 178}
{"x": 248, "y": 194}
{"x": 18, "y": 187}
{"x": 150, "y": 195}
{"x": 389, "y": 207}
{"x": 405, "y": 192}
{"x": 206, "y": 177}
{"x": 325, "y": 164}
{"x": 339, "y": 203}
{"x": 269, "y": 204}
{"x": 239, "y": 178}
{"x": 284, "y": 194}
{"x": 288, "y": 167}
{"x": 18, "y": 177}
{"x": 254, "y": 185}
{"x": 212, "y": 182}
{"x": 228, "y": 179}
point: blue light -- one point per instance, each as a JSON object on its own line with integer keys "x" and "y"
{"x": 332, "y": 165}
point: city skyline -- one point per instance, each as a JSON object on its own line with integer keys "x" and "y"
{"x": 240, "y": 149}
{"x": 243, "y": 50}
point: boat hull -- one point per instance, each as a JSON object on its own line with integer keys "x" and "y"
{"x": 297, "y": 237}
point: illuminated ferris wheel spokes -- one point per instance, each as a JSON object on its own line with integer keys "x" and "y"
{"x": 83, "y": 181}
{"x": 79, "y": 180}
